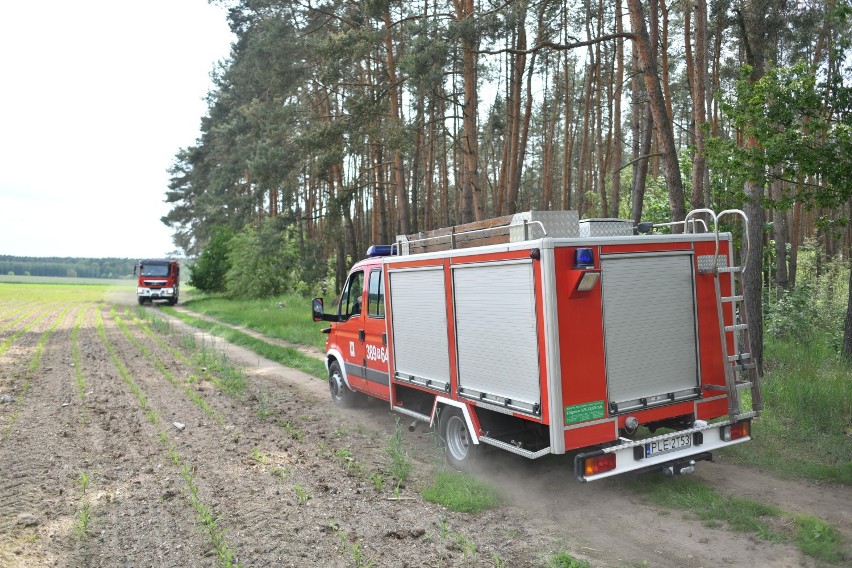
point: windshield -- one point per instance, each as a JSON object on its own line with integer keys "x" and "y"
{"x": 154, "y": 269}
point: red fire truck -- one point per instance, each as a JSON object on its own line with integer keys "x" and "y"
{"x": 157, "y": 280}
{"x": 556, "y": 336}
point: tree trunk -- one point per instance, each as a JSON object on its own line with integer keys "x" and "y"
{"x": 568, "y": 138}
{"x": 847, "y": 327}
{"x": 471, "y": 189}
{"x": 696, "y": 61}
{"x": 396, "y": 119}
{"x": 617, "y": 145}
{"x": 665, "y": 135}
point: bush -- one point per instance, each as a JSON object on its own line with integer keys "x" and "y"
{"x": 816, "y": 306}
{"x": 208, "y": 273}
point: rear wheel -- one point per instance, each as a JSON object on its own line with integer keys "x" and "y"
{"x": 341, "y": 394}
{"x": 459, "y": 448}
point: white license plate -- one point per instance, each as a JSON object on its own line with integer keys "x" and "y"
{"x": 658, "y": 447}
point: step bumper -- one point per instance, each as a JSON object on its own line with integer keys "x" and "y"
{"x": 661, "y": 452}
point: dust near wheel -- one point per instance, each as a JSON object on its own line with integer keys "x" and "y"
{"x": 459, "y": 448}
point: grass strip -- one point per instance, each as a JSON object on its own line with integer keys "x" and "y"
{"x": 812, "y": 536}
{"x": 804, "y": 429}
{"x": 461, "y": 492}
{"x": 286, "y": 317}
{"x": 285, "y": 355}
{"x": 168, "y": 375}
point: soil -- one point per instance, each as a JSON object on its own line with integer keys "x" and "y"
{"x": 134, "y": 457}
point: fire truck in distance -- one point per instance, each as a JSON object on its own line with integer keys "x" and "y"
{"x": 157, "y": 280}
{"x": 542, "y": 334}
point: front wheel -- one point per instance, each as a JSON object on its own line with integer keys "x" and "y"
{"x": 341, "y": 394}
{"x": 459, "y": 448}
{"x": 141, "y": 300}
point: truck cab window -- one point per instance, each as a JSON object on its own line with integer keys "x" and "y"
{"x": 376, "y": 297}
{"x": 350, "y": 300}
{"x": 154, "y": 270}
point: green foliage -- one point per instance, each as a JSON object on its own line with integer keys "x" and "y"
{"x": 816, "y": 308}
{"x": 800, "y": 126}
{"x": 565, "y": 560}
{"x": 208, "y": 273}
{"x": 271, "y": 260}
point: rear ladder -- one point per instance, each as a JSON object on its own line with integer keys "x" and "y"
{"x": 741, "y": 372}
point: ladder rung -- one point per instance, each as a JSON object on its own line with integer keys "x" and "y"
{"x": 745, "y": 366}
{"x": 730, "y": 269}
{"x": 744, "y": 385}
{"x": 736, "y": 327}
{"x": 738, "y": 357}
{"x": 732, "y": 298}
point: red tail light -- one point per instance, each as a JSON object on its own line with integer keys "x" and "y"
{"x": 598, "y": 464}
{"x": 736, "y": 431}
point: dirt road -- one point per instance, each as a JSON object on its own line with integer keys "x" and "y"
{"x": 118, "y": 448}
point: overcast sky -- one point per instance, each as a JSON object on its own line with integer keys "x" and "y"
{"x": 96, "y": 97}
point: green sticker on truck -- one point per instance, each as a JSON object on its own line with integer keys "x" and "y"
{"x": 584, "y": 412}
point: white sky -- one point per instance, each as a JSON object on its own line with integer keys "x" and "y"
{"x": 96, "y": 98}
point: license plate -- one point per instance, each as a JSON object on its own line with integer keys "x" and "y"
{"x": 658, "y": 447}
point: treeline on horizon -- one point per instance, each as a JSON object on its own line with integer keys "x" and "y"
{"x": 67, "y": 267}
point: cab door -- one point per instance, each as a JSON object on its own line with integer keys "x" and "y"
{"x": 376, "y": 375}
{"x": 350, "y": 329}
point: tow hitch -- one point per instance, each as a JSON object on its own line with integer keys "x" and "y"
{"x": 680, "y": 468}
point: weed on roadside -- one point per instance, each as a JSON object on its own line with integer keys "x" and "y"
{"x": 302, "y": 496}
{"x": 401, "y": 465}
{"x": 81, "y": 528}
{"x": 565, "y": 560}
{"x": 264, "y": 408}
{"x": 84, "y": 479}
{"x": 461, "y": 492}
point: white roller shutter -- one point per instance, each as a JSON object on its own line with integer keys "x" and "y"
{"x": 649, "y": 327}
{"x": 418, "y": 300}
{"x": 496, "y": 331}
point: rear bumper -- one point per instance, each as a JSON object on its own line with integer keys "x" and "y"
{"x": 631, "y": 455}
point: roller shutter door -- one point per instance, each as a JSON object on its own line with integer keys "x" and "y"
{"x": 496, "y": 331}
{"x": 649, "y": 327}
{"x": 418, "y": 300}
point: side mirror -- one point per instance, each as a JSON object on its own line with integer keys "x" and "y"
{"x": 317, "y": 309}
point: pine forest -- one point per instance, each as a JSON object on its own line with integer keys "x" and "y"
{"x": 337, "y": 124}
